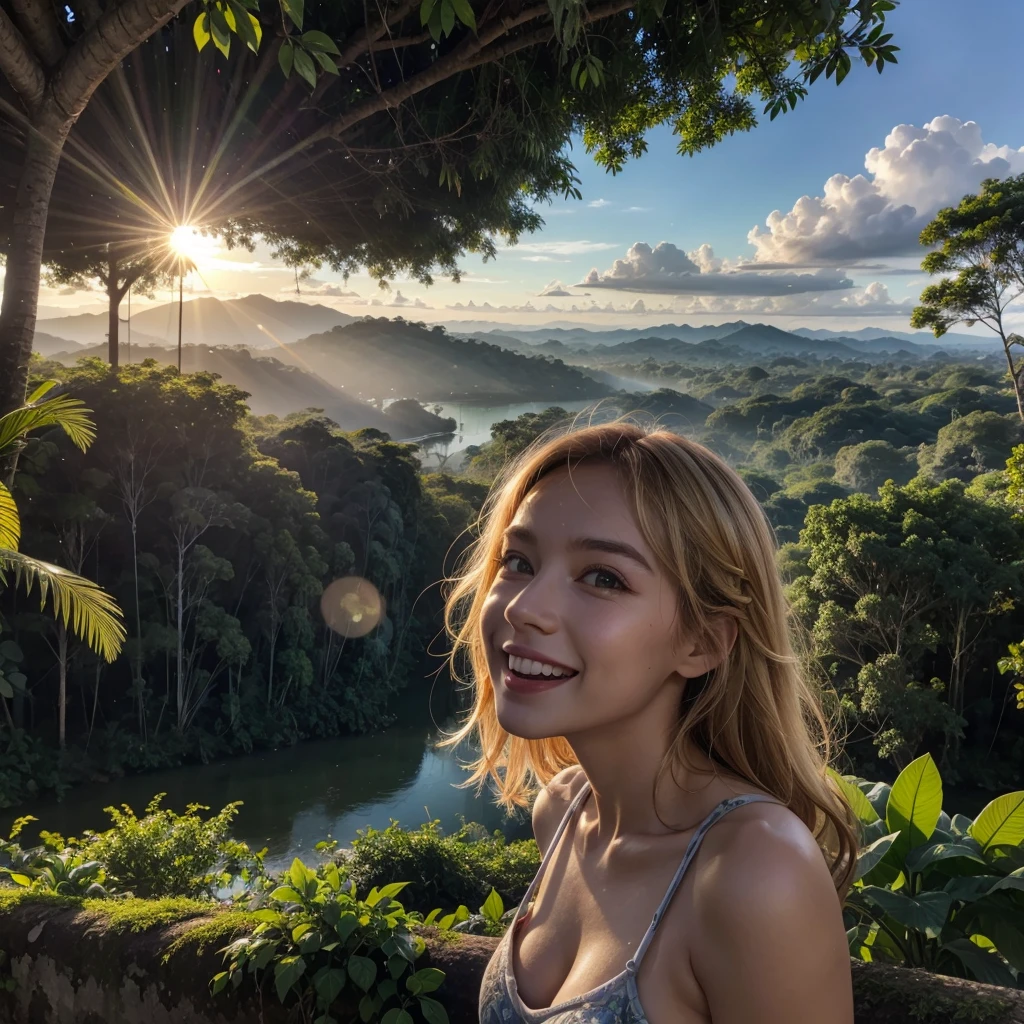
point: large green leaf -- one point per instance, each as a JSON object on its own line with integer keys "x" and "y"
{"x": 925, "y": 913}
{"x": 855, "y": 798}
{"x": 915, "y": 804}
{"x": 1001, "y": 823}
{"x": 969, "y": 888}
{"x": 982, "y": 966}
{"x": 869, "y": 856}
{"x": 91, "y": 613}
{"x": 10, "y": 521}
{"x": 70, "y": 414}
{"x": 931, "y": 853}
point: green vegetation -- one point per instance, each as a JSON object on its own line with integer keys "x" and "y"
{"x": 934, "y": 892}
{"x": 217, "y": 532}
{"x": 446, "y": 869}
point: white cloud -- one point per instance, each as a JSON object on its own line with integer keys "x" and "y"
{"x": 564, "y": 248}
{"x": 555, "y": 288}
{"x": 544, "y": 259}
{"x": 313, "y": 286}
{"x": 401, "y": 300}
{"x": 667, "y": 269}
{"x": 915, "y": 173}
{"x": 638, "y": 209}
{"x": 597, "y": 204}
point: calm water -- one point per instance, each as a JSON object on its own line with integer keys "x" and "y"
{"x": 298, "y": 796}
{"x": 295, "y": 797}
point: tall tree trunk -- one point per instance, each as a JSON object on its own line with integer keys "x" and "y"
{"x": 113, "y": 308}
{"x": 181, "y": 639}
{"x": 25, "y": 256}
{"x": 62, "y": 663}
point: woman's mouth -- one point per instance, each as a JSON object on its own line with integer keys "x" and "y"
{"x": 524, "y": 675}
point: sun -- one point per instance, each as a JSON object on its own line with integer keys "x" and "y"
{"x": 198, "y": 249}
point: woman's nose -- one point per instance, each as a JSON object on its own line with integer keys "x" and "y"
{"x": 535, "y": 605}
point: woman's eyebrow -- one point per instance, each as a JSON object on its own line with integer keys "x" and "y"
{"x": 611, "y": 547}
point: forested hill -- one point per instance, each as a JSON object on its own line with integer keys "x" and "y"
{"x": 399, "y": 358}
{"x": 279, "y": 389}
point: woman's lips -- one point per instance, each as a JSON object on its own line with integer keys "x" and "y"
{"x": 520, "y": 684}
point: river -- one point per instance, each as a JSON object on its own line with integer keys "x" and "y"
{"x": 295, "y": 797}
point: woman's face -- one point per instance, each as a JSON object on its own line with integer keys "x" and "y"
{"x": 578, "y": 586}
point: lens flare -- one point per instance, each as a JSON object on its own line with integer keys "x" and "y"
{"x": 352, "y": 606}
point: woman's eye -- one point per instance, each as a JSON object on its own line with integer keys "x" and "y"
{"x": 510, "y": 557}
{"x": 616, "y": 583}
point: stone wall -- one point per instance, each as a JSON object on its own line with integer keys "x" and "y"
{"x": 72, "y": 964}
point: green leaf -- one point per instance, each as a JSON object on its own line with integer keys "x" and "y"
{"x": 90, "y": 612}
{"x": 871, "y": 855}
{"x": 396, "y": 1015}
{"x": 40, "y": 392}
{"x": 425, "y": 980}
{"x": 924, "y": 856}
{"x": 465, "y": 13}
{"x": 347, "y": 924}
{"x": 426, "y": 8}
{"x": 982, "y": 966}
{"x": 314, "y": 40}
{"x": 244, "y": 26}
{"x": 10, "y": 651}
{"x": 433, "y": 1011}
{"x": 298, "y": 874}
{"x": 855, "y": 797}
{"x": 286, "y": 894}
{"x": 286, "y": 973}
{"x": 927, "y": 912}
{"x": 915, "y": 803}
{"x": 286, "y": 57}
{"x": 447, "y": 17}
{"x": 10, "y": 521}
{"x": 493, "y": 908}
{"x": 201, "y": 34}
{"x": 293, "y": 8}
{"x": 363, "y": 971}
{"x": 305, "y": 67}
{"x": 6, "y": 690}
{"x": 328, "y": 983}
{"x": 326, "y": 61}
{"x": 1001, "y": 823}
{"x": 70, "y": 414}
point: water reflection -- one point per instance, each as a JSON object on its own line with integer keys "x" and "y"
{"x": 293, "y": 798}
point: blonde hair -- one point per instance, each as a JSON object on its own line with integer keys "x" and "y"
{"x": 756, "y": 714}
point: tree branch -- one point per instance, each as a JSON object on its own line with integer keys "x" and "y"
{"x": 364, "y": 40}
{"x": 19, "y": 65}
{"x": 468, "y": 54}
{"x": 119, "y": 31}
{"x": 40, "y": 29}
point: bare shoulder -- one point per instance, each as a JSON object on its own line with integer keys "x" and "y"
{"x": 552, "y": 802}
{"x": 766, "y": 907}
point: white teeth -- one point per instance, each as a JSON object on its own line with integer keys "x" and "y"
{"x": 528, "y": 667}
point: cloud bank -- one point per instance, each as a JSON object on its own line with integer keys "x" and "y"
{"x": 915, "y": 173}
{"x": 668, "y": 270}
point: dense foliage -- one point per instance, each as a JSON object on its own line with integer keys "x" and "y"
{"x": 217, "y": 533}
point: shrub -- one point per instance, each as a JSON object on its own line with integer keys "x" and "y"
{"x": 448, "y": 870}
{"x": 931, "y": 891}
{"x": 316, "y": 937}
{"x": 163, "y": 853}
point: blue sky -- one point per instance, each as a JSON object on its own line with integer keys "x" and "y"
{"x": 849, "y": 264}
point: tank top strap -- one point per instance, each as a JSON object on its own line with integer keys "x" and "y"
{"x": 691, "y": 851}
{"x": 549, "y": 853}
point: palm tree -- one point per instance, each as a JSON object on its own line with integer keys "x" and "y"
{"x": 84, "y": 607}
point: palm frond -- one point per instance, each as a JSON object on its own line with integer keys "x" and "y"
{"x": 70, "y": 414}
{"x": 10, "y": 521}
{"x": 90, "y": 612}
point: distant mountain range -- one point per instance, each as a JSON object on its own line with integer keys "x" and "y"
{"x": 870, "y": 340}
{"x": 255, "y": 320}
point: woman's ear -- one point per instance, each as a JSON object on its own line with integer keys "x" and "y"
{"x": 706, "y": 655}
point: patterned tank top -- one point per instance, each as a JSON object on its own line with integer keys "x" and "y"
{"x": 617, "y": 1000}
